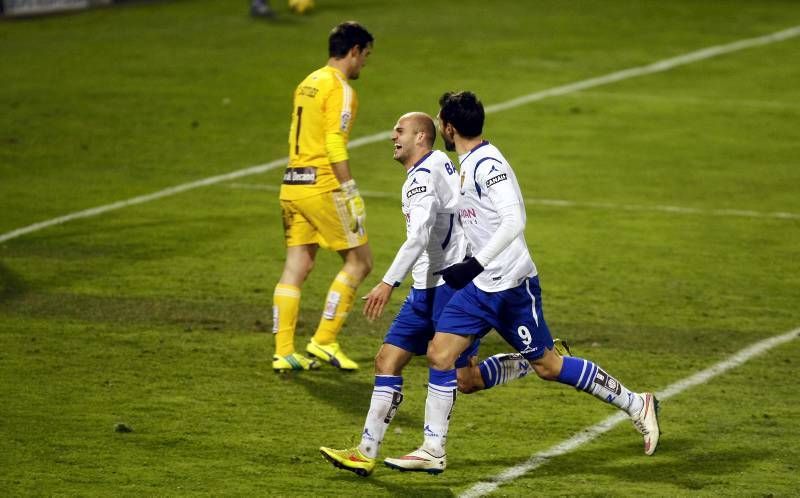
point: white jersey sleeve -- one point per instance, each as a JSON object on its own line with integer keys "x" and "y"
{"x": 493, "y": 176}
{"x": 420, "y": 205}
{"x": 434, "y": 238}
{"x": 492, "y": 212}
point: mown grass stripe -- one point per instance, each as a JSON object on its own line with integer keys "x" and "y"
{"x": 780, "y": 215}
{"x": 659, "y": 66}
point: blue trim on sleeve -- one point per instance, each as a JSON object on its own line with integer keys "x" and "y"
{"x": 485, "y": 142}
{"x": 478, "y": 187}
{"x": 421, "y": 160}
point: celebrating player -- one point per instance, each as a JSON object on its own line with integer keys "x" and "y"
{"x": 435, "y": 239}
{"x": 320, "y": 202}
{"x": 499, "y": 288}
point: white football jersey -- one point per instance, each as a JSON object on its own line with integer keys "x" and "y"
{"x": 488, "y": 184}
{"x": 434, "y": 239}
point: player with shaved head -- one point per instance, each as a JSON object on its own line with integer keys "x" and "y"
{"x": 435, "y": 240}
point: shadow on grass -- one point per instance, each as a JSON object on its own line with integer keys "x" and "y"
{"x": 682, "y": 462}
{"x": 378, "y": 484}
{"x": 11, "y": 285}
{"x": 187, "y": 315}
{"x": 348, "y": 394}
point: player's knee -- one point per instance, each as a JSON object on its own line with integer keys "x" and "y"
{"x": 366, "y": 268}
{"x": 385, "y": 366}
{"x": 366, "y": 264}
{"x": 546, "y": 370}
{"x": 437, "y": 357}
{"x": 548, "y": 367}
{"x": 296, "y": 272}
{"x": 358, "y": 264}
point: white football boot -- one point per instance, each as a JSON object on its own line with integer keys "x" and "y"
{"x": 418, "y": 461}
{"x": 646, "y": 422}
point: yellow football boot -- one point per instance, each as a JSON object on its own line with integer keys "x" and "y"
{"x": 350, "y": 459}
{"x": 293, "y": 362}
{"x": 331, "y": 353}
{"x": 561, "y": 347}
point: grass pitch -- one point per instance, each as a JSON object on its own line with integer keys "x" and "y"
{"x": 661, "y": 256}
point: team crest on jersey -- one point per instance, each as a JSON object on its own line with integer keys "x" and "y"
{"x": 345, "y": 120}
{"x": 416, "y": 190}
{"x": 496, "y": 179}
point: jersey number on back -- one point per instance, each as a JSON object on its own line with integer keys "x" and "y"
{"x": 297, "y": 131}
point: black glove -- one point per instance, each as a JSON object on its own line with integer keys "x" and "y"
{"x": 460, "y": 274}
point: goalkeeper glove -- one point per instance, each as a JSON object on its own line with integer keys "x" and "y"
{"x": 460, "y": 274}
{"x": 355, "y": 206}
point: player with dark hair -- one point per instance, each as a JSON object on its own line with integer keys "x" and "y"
{"x": 499, "y": 289}
{"x": 320, "y": 202}
{"x": 434, "y": 239}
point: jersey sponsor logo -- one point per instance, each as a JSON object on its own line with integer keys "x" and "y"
{"x": 308, "y": 91}
{"x": 496, "y": 179}
{"x": 530, "y": 350}
{"x": 416, "y": 190}
{"x": 345, "y": 120}
{"x": 494, "y": 168}
{"x": 467, "y": 213}
{"x": 300, "y": 176}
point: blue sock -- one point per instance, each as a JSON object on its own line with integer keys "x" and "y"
{"x": 586, "y": 376}
{"x": 576, "y": 371}
{"x": 502, "y": 368}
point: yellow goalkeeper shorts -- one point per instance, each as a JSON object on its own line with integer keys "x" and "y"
{"x": 320, "y": 219}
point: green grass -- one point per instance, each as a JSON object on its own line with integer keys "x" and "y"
{"x": 158, "y": 315}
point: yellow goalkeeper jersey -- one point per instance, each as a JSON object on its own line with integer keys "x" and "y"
{"x": 325, "y": 107}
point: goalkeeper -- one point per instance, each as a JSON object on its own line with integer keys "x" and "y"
{"x": 320, "y": 202}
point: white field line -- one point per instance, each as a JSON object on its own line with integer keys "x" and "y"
{"x": 782, "y": 215}
{"x": 655, "y": 67}
{"x": 590, "y": 433}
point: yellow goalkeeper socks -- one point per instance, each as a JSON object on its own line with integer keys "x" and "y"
{"x": 337, "y": 307}
{"x": 285, "y": 307}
